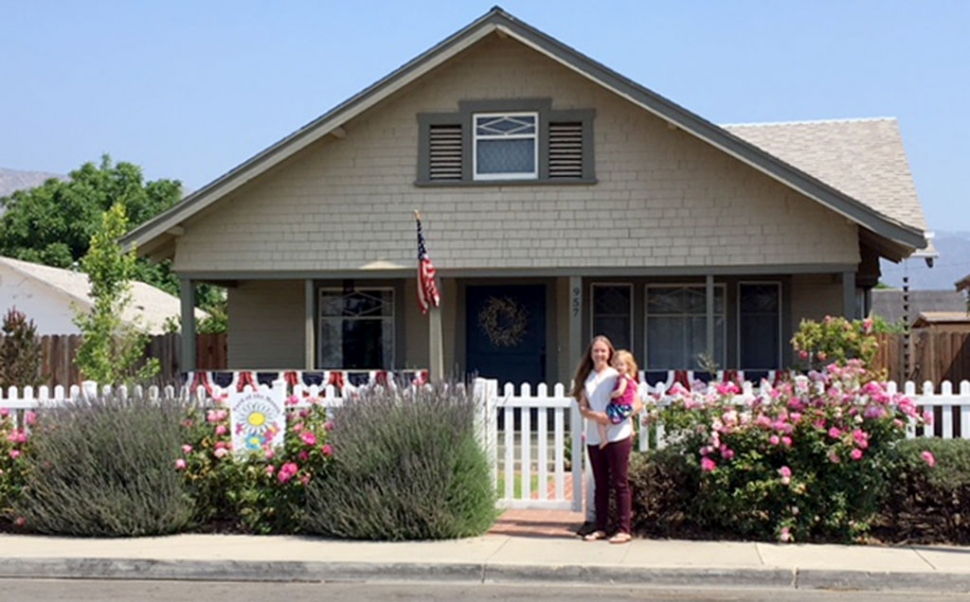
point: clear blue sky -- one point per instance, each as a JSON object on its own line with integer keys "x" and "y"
{"x": 188, "y": 89}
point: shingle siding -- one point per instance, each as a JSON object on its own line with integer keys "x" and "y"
{"x": 663, "y": 198}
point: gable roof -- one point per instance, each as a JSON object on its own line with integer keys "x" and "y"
{"x": 892, "y": 305}
{"x": 895, "y": 239}
{"x": 149, "y": 307}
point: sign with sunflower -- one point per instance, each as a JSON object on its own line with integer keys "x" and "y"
{"x": 258, "y": 421}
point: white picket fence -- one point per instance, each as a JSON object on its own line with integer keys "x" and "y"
{"x": 530, "y": 464}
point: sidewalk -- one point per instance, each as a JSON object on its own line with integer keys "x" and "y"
{"x": 524, "y": 546}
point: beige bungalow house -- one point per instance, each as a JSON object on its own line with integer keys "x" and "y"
{"x": 560, "y": 200}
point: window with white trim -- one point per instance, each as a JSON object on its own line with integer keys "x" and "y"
{"x": 612, "y": 312}
{"x": 356, "y": 329}
{"x": 506, "y": 146}
{"x": 676, "y": 326}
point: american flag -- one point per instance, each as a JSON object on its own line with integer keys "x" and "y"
{"x": 427, "y": 289}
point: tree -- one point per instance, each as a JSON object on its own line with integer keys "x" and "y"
{"x": 53, "y": 223}
{"x": 20, "y": 352}
{"x": 111, "y": 350}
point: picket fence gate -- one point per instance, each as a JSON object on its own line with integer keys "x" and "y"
{"x": 552, "y": 477}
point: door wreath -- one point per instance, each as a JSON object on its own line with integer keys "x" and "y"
{"x": 503, "y": 321}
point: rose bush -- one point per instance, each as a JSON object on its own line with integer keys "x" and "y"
{"x": 13, "y": 447}
{"x": 261, "y": 491}
{"x": 805, "y": 460}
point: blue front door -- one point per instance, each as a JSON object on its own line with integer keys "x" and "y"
{"x": 506, "y": 333}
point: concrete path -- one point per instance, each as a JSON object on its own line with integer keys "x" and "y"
{"x": 524, "y": 546}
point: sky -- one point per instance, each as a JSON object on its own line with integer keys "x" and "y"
{"x": 188, "y": 89}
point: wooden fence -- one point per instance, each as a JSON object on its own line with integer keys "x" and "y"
{"x": 932, "y": 356}
{"x": 58, "y": 353}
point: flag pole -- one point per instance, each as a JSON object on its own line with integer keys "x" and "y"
{"x": 436, "y": 360}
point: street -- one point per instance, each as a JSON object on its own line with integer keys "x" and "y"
{"x": 29, "y": 590}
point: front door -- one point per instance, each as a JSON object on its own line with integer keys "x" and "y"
{"x": 506, "y": 333}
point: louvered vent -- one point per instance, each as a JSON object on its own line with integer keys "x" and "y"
{"x": 566, "y": 150}
{"x": 445, "y": 152}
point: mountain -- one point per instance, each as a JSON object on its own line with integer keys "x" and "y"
{"x": 13, "y": 179}
{"x": 952, "y": 265}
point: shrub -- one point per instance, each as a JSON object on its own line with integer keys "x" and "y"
{"x": 261, "y": 492}
{"x": 929, "y": 504}
{"x": 664, "y": 487}
{"x": 835, "y": 339}
{"x": 14, "y": 442}
{"x": 104, "y": 468}
{"x": 805, "y": 460}
{"x": 406, "y": 466}
{"x": 20, "y": 352}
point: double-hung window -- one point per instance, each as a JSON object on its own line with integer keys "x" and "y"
{"x": 356, "y": 329}
{"x": 612, "y": 306}
{"x": 506, "y": 146}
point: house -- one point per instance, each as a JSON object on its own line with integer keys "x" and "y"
{"x": 944, "y": 321}
{"x": 48, "y": 296}
{"x": 560, "y": 200}
{"x": 893, "y": 304}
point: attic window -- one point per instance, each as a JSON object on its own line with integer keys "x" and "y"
{"x": 495, "y": 142}
{"x": 506, "y": 146}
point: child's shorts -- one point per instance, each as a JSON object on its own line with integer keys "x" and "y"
{"x": 617, "y": 413}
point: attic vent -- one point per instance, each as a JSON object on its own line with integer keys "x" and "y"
{"x": 445, "y": 152}
{"x": 566, "y": 150}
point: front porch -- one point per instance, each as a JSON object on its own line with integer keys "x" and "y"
{"x": 529, "y": 328}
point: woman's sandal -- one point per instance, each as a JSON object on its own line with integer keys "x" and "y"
{"x": 595, "y": 535}
{"x": 621, "y": 537}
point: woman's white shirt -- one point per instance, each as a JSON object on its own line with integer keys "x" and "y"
{"x": 598, "y": 388}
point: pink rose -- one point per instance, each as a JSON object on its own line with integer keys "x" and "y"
{"x": 774, "y": 440}
{"x": 327, "y": 450}
{"x": 15, "y": 453}
{"x": 309, "y": 438}
{"x": 785, "y": 473}
{"x": 856, "y": 454}
{"x": 784, "y": 535}
{"x": 929, "y": 458}
{"x": 270, "y": 470}
{"x": 708, "y": 465}
{"x": 221, "y": 452}
{"x": 30, "y": 417}
{"x": 328, "y": 425}
{"x": 221, "y": 430}
{"x": 186, "y": 449}
{"x": 180, "y": 464}
{"x": 835, "y": 433}
{"x": 786, "y": 441}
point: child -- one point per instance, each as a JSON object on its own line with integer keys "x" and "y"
{"x": 621, "y": 400}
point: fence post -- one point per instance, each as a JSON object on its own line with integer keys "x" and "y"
{"x": 576, "y": 426}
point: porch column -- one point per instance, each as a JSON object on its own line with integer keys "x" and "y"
{"x": 187, "y": 297}
{"x": 575, "y": 319}
{"x": 309, "y": 328}
{"x": 848, "y": 295}
{"x": 709, "y": 290}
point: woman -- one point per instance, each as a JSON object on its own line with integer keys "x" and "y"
{"x": 594, "y": 381}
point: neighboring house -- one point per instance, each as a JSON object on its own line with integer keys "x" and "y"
{"x": 560, "y": 200}
{"x": 48, "y": 296}
{"x": 963, "y": 284}
{"x": 944, "y": 321}
{"x": 892, "y": 304}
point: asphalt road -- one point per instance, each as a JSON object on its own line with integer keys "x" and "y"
{"x": 29, "y": 590}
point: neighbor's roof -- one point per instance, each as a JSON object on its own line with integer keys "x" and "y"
{"x": 963, "y": 283}
{"x": 149, "y": 307}
{"x": 894, "y": 237}
{"x": 890, "y": 303}
{"x": 943, "y": 317}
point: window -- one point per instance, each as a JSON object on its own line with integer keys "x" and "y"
{"x": 506, "y": 146}
{"x": 357, "y": 329}
{"x": 613, "y": 313}
{"x": 495, "y": 141}
{"x": 759, "y": 326}
{"x": 676, "y": 326}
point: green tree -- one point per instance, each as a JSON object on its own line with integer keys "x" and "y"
{"x": 53, "y": 223}
{"x": 111, "y": 349}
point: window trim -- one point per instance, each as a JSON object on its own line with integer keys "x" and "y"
{"x": 781, "y": 337}
{"x": 464, "y": 117}
{"x": 592, "y": 307}
{"x": 534, "y": 136}
{"x": 646, "y": 317}
{"x": 321, "y": 318}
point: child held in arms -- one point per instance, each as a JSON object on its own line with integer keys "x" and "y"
{"x": 621, "y": 400}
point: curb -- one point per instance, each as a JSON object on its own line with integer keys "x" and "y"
{"x": 471, "y": 573}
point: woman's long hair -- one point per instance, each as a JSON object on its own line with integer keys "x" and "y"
{"x": 586, "y": 366}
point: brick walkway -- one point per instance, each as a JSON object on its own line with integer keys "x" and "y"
{"x": 538, "y": 523}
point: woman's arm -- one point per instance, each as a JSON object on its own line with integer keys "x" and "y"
{"x": 586, "y": 412}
